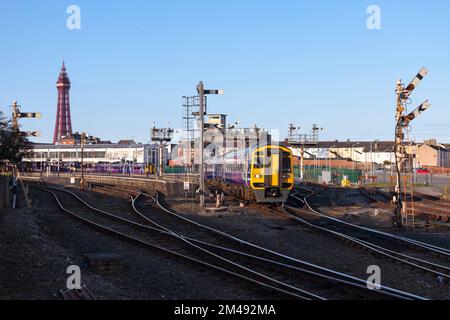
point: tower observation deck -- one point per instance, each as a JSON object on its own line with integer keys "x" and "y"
{"x": 63, "y": 125}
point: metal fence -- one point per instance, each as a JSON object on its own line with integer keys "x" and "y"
{"x": 314, "y": 174}
{"x": 5, "y": 191}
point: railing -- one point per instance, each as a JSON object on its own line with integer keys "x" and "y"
{"x": 166, "y": 177}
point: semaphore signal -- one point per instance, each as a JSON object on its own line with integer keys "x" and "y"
{"x": 404, "y": 120}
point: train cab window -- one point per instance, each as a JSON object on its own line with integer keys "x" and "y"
{"x": 287, "y": 168}
{"x": 287, "y": 165}
{"x": 258, "y": 163}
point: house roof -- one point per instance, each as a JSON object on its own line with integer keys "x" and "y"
{"x": 437, "y": 148}
{"x": 367, "y": 146}
{"x": 121, "y": 142}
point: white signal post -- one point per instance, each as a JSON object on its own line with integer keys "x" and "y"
{"x": 201, "y": 93}
{"x": 403, "y": 120}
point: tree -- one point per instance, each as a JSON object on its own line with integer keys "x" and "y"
{"x": 3, "y": 129}
{"x": 3, "y": 121}
{"x": 14, "y": 146}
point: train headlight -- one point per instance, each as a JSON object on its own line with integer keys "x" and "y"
{"x": 276, "y": 193}
{"x": 257, "y": 176}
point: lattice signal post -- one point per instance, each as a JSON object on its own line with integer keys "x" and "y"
{"x": 163, "y": 136}
{"x": 403, "y": 121}
{"x": 191, "y": 109}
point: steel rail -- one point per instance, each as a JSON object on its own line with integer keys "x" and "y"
{"x": 302, "y": 262}
{"x": 128, "y": 237}
{"x": 373, "y": 247}
{"x": 425, "y": 205}
{"x": 288, "y": 266}
{"x": 427, "y": 246}
{"x": 229, "y": 250}
{"x": 390, "y": 292}
{"x": 175, "y": 235}
{"x": 180, "y": 237}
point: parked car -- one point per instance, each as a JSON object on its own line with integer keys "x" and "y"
{"x": 422, "y": 171}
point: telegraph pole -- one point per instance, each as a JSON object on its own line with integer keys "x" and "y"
{"x": 403, "y": 120}
{"x": 201, "y": 93}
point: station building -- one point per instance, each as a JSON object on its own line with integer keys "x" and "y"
{"x": 102, "y": 153}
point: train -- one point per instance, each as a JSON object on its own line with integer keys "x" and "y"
{"x": 263, "y": 174}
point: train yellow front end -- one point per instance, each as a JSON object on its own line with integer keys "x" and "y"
{"x": 271, "y": 174}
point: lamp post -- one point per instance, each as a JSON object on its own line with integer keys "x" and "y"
{"x": 328, "y": 155}
{"x": 201, "y": 93}
{"x": 58, "y": 161}
{"x": 353, "y": 155}
{"x": 83, "y": 137}
{"x": 371, "y": 156}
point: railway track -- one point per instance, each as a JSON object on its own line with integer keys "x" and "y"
{"x": 414, "y": 243}
{"x": 273, "y": 274}
{"x": 273, "y": 258}
{"x": 378, "y": 242}
{"x": 156, "y": 239}
{"x": 438, "y": 210}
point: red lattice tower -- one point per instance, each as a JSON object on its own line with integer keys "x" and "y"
{"x": 63, "y": 125}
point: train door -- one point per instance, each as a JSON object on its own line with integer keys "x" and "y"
{"x": 275, "y": 169}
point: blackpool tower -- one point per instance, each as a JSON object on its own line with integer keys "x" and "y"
{"x": 63, "y": 125}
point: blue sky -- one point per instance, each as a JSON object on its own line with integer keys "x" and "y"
{"x": 278, "y": 61}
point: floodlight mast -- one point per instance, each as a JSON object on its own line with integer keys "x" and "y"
{"x": 403, "y": 120}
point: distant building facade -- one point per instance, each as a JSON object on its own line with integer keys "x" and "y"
{"x": 433, "y": 154}
{"x": 380, "y": 152}
{"x": 44, "y": 154}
